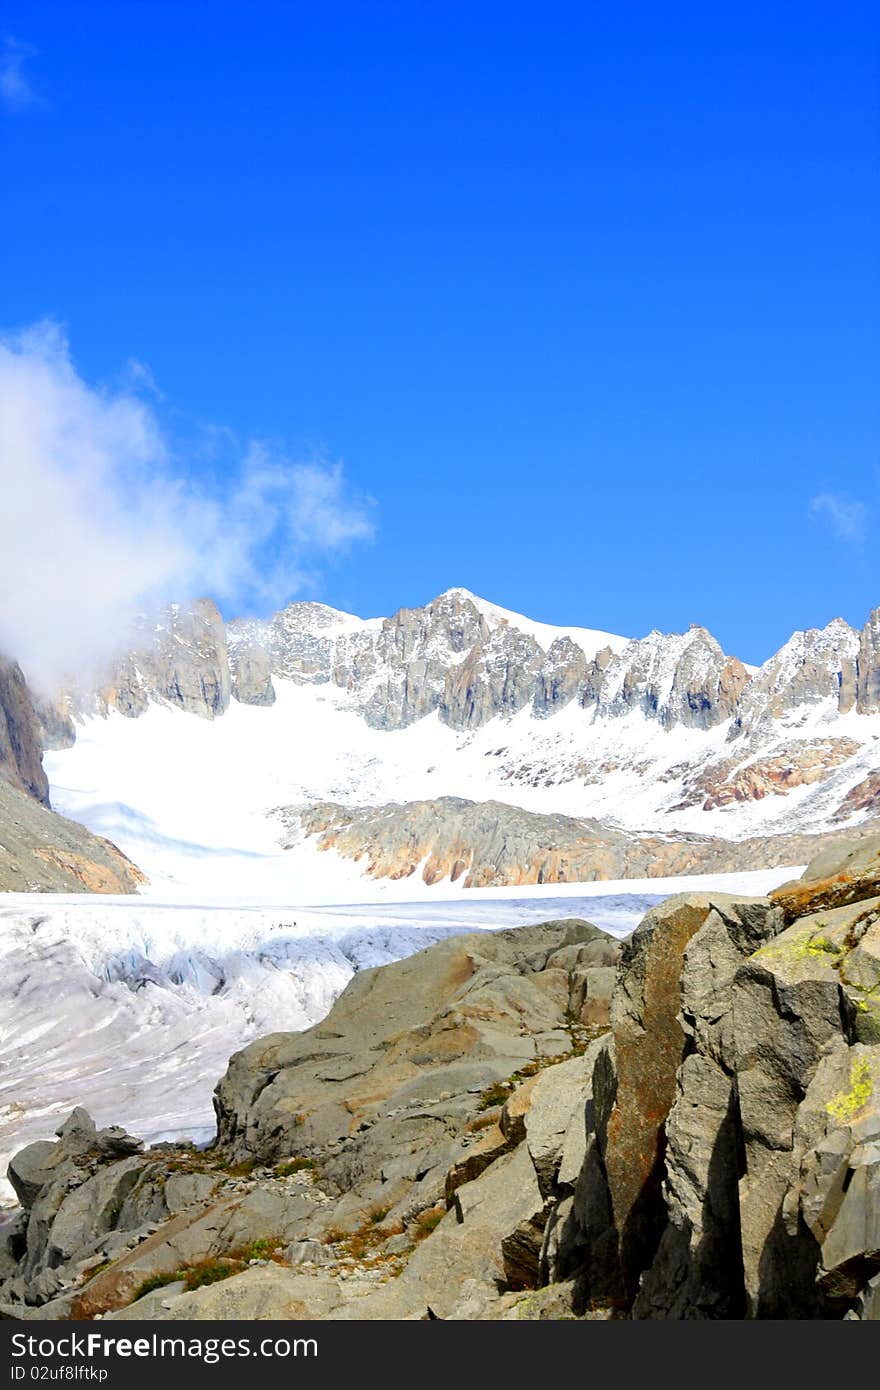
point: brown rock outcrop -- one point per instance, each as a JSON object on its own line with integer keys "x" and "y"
{"x": 834, "y": 878}
{"x": 492, "y": 843}
{"x": 649, "y": 1047}
{"x": 864, "y": 797}
{"x": 794, "y": 765}
{"x": 42, "y": 852}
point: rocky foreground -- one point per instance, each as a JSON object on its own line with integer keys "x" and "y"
{"x": 536, "y": 1123}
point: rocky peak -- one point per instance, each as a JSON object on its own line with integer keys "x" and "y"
{"x": 678, "y": 678}
{"x": 561, "y": 677}
{"x": 868, "y": 695}
{"x": 189, "y": 664}
{"x": 497, "y": 677}
{"x": 299, "y": 640}
{"x": 405, "y": 669}
{"x": 176, "y": 657}
{"x": 816, "y": 666}
{"x": 470, "y": 661}
{"x": 450, "y": 624}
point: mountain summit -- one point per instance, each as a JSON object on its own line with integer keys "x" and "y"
{"x": 559, "y": 730}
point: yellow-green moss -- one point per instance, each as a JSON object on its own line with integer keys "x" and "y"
{"x": 845, "y": 1106}
{"x": 805, "y": 946}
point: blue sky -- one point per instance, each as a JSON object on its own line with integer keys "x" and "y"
{"x": 584, "y": 296}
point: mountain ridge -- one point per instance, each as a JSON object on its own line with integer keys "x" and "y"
{"x": 677, "y": 677}
{"x": 665, "y": 735}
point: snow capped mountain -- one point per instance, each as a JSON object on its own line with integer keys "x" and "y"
{"x": 660, "y": 736}
{"x": 813, "y": 668}
{"x": 419, "y": 764}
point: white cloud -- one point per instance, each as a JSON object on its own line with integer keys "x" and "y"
{"x": 847, "y": 517}
{"x": 99, "y": 521}
{"x": 16, "y": 91}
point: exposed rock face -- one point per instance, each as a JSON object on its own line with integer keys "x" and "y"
{"x": 844, "y": 872}
{"x": 864, "y": 797}
{"x": 561, "y": 678}
{"x": 697, "y": 1270}
{"x": 812, "y": 667}
{"x": 251, "y": 674}
{"x": 676, "y": 679}
{"x": 189, "y": 666}
{"x": 650, "y": 1048}
{"x": 41, "y": 852}
{"x": 412, "y": 655}
{"x": 299, "y": 641}
{"x": 447, "y": 1019}
{"x": 21, "y": 752}
{"x": 776, "y": 1112}
{"x": 179, "y": 660}
{"x": 497, "y": 677}
{"x": 787, "y": 1012}
{"x": 868, "y": 700}
{"x": 594, "y": 678}
{"x": 793, "y": 765}
{"x": 716, "y": 1156}
{"x": 490, "y": 843}
{"x": 57, "y": 729}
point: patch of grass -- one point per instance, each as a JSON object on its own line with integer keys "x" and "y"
{"x": 428, "y": 1221}
{"x": 244, "y": 1168}
{"x": 501, "y": 1091}
{"x": 366, "y": 1239}
{"x": 115, "y": 1213}
{"x": 494, "y": 1095}
{"x": 156, "y": 1281}
{"x": 530, "y": 1069}
{"x": 209, "y": 1272}
{"x": 262, "y": 1249}
{"x": 583, "y": 1036}
{"x": 377, "y": 1214}
{"x": 295, "y": 1165}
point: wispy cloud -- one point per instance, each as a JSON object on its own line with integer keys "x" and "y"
{"x": 17, "y": 92}
{"x": 101, "y": 518}
{"x": 847, "y": 516}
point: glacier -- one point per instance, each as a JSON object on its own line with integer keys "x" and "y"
{"x": 133, "y": 1006}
